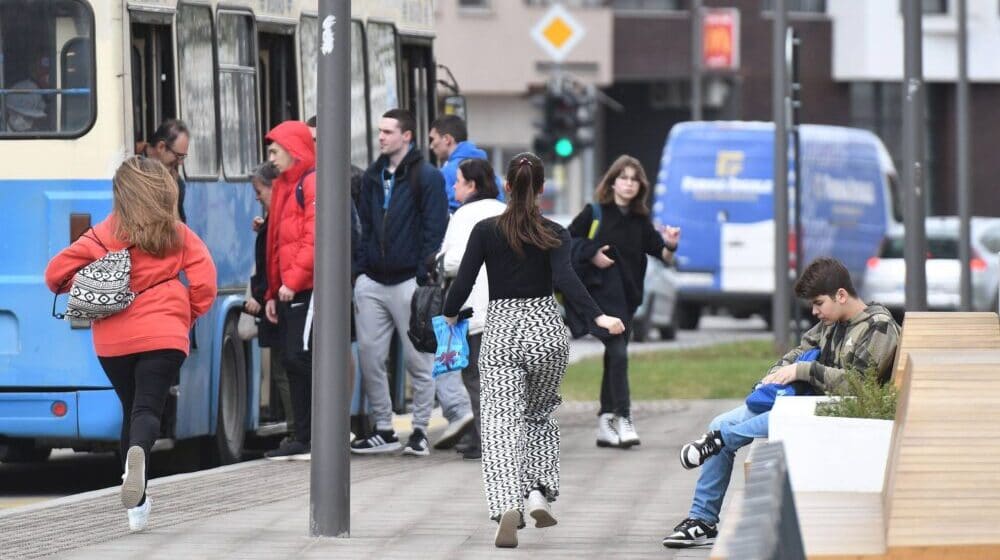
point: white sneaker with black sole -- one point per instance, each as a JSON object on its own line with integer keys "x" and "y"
{"x": 626, "y": 432}
{"x": 539, "y": 509}
{"x": 607, "y": 431}
{"x": 506, "y": 535}
{"x": 454, "y": 432}
{"x": 417, "y": 444}
{"x": 382, "y": 441}
{"x": 138, "y": 516}
{"x": 691, "y": 532}
{"x": 134, "y": 481}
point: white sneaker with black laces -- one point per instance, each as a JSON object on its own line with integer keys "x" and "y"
{"x": 626, "y": 432}
{"x": 539, "y": 509}
{"x": 134, "y": 481}
{"x": 382, "y": 441}
{"x": 138, "y": 516}
{"x": 694, "y": 454}
{"x": 417, "y": 444}
{"x": 691, "y": 532}
{"x": 454, "y": 432}
{"x": 607, "y": 430}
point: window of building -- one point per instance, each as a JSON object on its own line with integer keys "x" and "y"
{"x": 930, "y": 6}
{"x": 805, "y": 6}
{"x": 47, "y": 74}
{"x": 570, "y": 3}
{"x": 238, "y": 93}
{"x": 383, "y": 75}
{"x": 196, "y": 79}
{"x": 650, "y": 5}
{"x": 475, "y": 4}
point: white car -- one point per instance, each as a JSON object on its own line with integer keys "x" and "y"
{"x": 885, "y": 278}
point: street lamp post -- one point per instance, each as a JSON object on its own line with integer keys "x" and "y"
{"x": 780, "y": 304}
{"x": 913, "y": 156}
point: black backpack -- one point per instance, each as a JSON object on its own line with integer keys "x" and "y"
{"x": 426, "y": 303}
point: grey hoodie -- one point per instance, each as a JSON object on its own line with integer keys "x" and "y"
{"x": 867, "y": 340}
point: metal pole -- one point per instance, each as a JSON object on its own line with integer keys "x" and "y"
{"x": 962, "y": 143}
{"x": 696, "y": 53}
{"x": 913, "y": 154}
{"x": 779, "y": 89}
{"x": 794, "y": 108}
{"x": 330, "y": 481}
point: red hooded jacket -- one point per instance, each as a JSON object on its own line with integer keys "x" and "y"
{"x": 161, "y": 316}
{"x": 291, "y": 235}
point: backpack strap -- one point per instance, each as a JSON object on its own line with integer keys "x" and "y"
{"x": 595, "y": 224}
{"x": 300, "y": 195}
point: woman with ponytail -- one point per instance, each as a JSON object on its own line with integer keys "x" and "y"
{"x": 525, "y": 347}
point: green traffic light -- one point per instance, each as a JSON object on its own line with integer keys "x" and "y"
{"x": 564, "y": 147}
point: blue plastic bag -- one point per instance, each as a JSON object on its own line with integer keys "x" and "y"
{"x": 452, "y": 345}
{"x": 762, "y": 398}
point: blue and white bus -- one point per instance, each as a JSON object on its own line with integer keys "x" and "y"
{"x": 81, "y": 81}
{"x": 716, "y": 181}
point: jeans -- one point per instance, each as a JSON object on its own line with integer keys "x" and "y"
{"x": 297, "y": 361}
{"x": 739, "y": 427}
{"x": 142, "y": 382}
{"x": 614, "y": 383}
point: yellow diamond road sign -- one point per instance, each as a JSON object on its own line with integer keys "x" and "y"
{"x": 557, "y": 32}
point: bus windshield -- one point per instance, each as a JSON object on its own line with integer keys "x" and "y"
{"x": 46, "y": 68}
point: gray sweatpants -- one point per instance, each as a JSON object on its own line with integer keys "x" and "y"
{"x": 452, "y": 395}
{"x": 381, "y": 309}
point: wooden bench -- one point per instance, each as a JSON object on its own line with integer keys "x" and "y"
{"x": 941, "y": 498}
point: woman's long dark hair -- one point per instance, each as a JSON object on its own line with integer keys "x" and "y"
{"x": 605, "y": 193}
{"x": 480, "y": 172}
{"x": 521, "y": 223}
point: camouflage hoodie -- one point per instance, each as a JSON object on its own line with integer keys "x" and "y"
{"x": 867, "y": 340}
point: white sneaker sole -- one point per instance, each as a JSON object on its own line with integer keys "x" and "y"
{"x": 543, "y": 517}
{"x": 454, "y": 432}
{"x": 506, "y": 536}
{"x": 415, "y": 453}
{"x": 134, "y": 484}
{"x": 387, "y": 448}
{"x": 688, "y": 543}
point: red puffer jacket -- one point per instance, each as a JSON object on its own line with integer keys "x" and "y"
{"x": 291, "y": 235}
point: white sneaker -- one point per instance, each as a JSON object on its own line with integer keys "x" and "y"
{"x": 607, "y": 431}
{"x": 138, "y": 516}
{"x": 454, "y": 432}
{"x": 626, "y": 432}
{"x": 539, "y": 509}
{"x": 134, "y": 481}
{"x": 506, "y": 535}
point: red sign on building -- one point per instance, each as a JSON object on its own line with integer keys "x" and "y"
{"x": 721, "y": 39}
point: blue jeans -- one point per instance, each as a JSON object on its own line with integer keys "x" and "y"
{"x": 739, "y": 427}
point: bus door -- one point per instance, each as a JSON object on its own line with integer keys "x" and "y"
{"x": 417, "y": 73}
{"x": 153, "y": 75}
{"x": 278, "y": 83}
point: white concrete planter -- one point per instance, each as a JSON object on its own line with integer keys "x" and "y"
{"x": 827, "y": 454}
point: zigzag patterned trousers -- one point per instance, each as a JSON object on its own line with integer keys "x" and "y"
{"x": 522, "y": 362}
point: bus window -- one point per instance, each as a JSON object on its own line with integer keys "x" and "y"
{"x": 152, "y": 76}
{"x": 46, "y": 68}
{"x": 418, "y": 89}
{"x": 238, "y": 93}
{"x": 279, "y": 100}
{"x": 383, "y": 80}
{"x": 360, "y": 145}
{"x": 308, "y": 47}
{"x": 197, "y": 89}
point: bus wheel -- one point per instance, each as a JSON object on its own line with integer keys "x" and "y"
{"x": 23, "y": 451}
{"x": 230, "y": 428}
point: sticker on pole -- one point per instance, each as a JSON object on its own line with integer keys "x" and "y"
{"x": 557, "y": 32}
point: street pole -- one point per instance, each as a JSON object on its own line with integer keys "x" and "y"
{"x": 330, "y": 480}
{"x": 913, "y": 155}
{"x": 780, "y": 304}
{"x": 962, "y": 144}
{"x": 696, "y": 52}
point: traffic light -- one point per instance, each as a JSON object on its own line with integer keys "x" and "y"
{"x": 567, "y": 122}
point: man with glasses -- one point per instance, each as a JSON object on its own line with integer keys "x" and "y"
{"x": 169, "y": 145}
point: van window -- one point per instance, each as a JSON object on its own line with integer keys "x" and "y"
{"x": 197, "y": 90}
{"x": 238, "y": 93}
{"x": 47, "y": 71}
{"x": 937, "y": 248}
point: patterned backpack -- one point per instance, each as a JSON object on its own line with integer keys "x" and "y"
{"x": 103, "y": 287}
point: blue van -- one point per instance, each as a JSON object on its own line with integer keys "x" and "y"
{"x": 716, "y": 183}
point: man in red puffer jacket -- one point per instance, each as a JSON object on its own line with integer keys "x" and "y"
{"x": 290, "y": 241}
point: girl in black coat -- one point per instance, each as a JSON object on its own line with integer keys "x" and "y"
{"x": 613, "y": 267}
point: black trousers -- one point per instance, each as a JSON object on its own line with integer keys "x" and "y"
{"x": 142, "y": 382}
{"x": 470, "y": 376}
{"x": 615, "y": 395}
{"x": 297, "y": 361}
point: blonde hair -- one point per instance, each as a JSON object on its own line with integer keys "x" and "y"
{"x": 145, "y": 203}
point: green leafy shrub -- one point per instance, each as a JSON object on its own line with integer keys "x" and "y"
{"x": 862, "y": 396}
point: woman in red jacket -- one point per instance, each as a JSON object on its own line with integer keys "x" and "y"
{"x": 142, "y": 347}
{"x": 290, "y": 240}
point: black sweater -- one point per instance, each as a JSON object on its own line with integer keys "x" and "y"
{"x": 514, "y": 277}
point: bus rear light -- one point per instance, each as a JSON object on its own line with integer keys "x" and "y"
{"x": 59, "y": 409}
{"x": 873, "y": 262}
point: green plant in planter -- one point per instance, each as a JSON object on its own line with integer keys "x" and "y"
{"x": 862, "y": 396}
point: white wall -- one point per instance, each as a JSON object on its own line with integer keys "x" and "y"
{"x": 868, "y": 41}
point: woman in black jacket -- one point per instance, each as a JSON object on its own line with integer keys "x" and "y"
{"x": 609, "y": 252}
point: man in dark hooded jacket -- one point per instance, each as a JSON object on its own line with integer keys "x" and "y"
{"x": 404, "y": 214}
